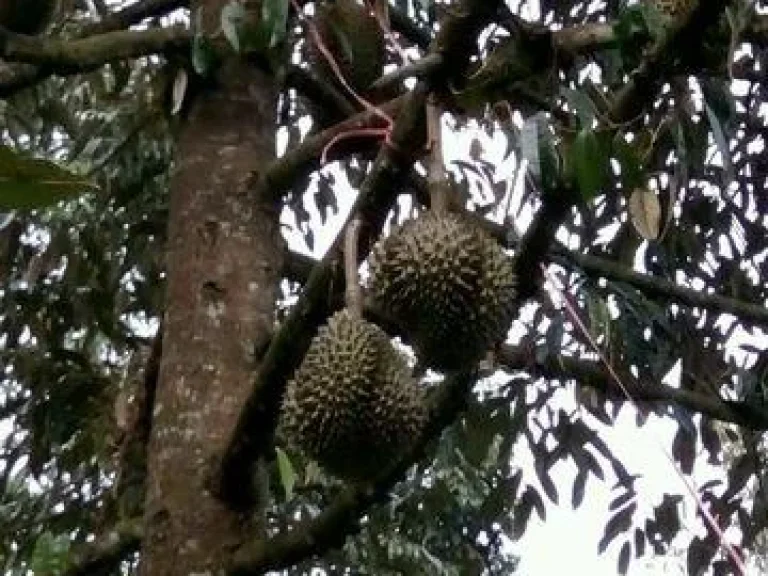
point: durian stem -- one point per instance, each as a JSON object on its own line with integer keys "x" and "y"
{"x": 435, "y": 171}
{"x": 353, "y": 296}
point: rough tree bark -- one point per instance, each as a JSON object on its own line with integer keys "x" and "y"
{"x": 223, "y": 273}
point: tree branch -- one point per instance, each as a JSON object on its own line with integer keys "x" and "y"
{"x": 409, "y": 29}
{"x": 322, "y": 93}
{"x": 253, "y": 434}
{"x": 67, "y": 57}
{"x": 133, "y": 14}
{"x": 596, "y": 267}
{"x": 16, "y": 78}
{"x": 658, "y": 287}
{"x": 106, "y": 550}
{"x": 592, "y": 374}
{"x": 638, "y": 91}
{"x": 130, "y": 484}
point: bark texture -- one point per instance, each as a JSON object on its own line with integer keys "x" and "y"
{"x": 223, "y": 273}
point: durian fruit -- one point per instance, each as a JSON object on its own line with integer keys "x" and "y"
{"x": 352, "y": 405}
{"x": 448, "y": 284}
{"x": 355, "y": 40}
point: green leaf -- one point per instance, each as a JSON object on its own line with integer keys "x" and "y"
{"x": 589, "y": 163}
{"x": 599, "y": 318}
{"x": 579, "y": 489}
{"x": 722, "y": 142}
{"x": 632, "y": 170}
{"x": 624, "y": 556}
{"x": 287, "y": 473}
{"x": 692, "y": 145}
{"x": 180, "y": 84}
{"x": 274, "y": 15}
{"x": 203, "y": 56}
{"x": 720, "y": 109}
{"x": 29, "y": 183}
{"x": 582, "y": 105}
{"x": 620, "y": 522}
{"x": 50, "y": 554}
{"x": 538, "y": 148}
{"x": 232, "y": 18}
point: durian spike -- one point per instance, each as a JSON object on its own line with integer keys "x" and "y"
{"x": 435, "y": 169}
{"x": 353, "y": 296}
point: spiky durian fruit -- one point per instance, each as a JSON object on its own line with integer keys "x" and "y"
{"x": 449, "y": 285}
{"x": 352, "y": 405}
{"x": 354, "y": 38}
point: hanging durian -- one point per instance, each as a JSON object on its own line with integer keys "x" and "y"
{"x": 352, "y": 405}
{"x": 354, "y": 38}
{"x": 448, "y": 284}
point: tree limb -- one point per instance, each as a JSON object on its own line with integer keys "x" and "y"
{"x": 18, "y": 77}
{"x": 133, "y": 14}
{"x": 280, "y": 176}
{"x": 596, "y": 267}
{"x": 593, "y": 374}
{"x": 67, "y": 57}
{"x": 253, "y": 433}
{"x": 659, "y": 287}
{"x": 106, "y": 550}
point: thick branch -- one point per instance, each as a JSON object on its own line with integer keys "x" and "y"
{"x": 133, "y": 14}
{"x": 409, "y": 29}
{"x": 322, "y": 93}
{"x": 253, "y": 434}
{"x": 658, "y": 287}
{"x": 302, "y": 160}
{"x": 643, "y": 82}
{"x": 592, "y": 374}
{"x": 16, "y": 78}
{"x": 130, "y": 486}
{"x": 651, "y": 286}
{"x": 106, "y": 550}
{"x": 75, "y": 56}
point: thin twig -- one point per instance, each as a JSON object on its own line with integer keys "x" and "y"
{"x": 354, "y": 296}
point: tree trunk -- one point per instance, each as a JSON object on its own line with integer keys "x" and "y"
{"x": 223, "y": 275}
